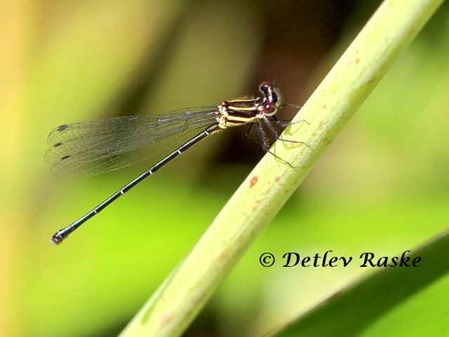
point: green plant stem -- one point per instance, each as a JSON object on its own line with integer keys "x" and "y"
{"x": 272, "y": 182}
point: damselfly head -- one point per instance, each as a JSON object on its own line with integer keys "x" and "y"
{"x": 270, "y": 100}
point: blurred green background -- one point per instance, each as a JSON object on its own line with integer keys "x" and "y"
{"x": 382, "y": 186}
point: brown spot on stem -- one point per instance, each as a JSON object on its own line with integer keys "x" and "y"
{"x": 253, "y": 181}
{"x": 166, "y": 319}
{"x": 223, "y": 256}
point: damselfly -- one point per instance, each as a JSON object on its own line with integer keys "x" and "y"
{"x": 109, "y": 144}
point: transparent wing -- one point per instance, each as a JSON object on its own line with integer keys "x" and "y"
{"x": 109, "y": 144}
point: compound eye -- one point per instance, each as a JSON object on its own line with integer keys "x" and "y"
{"x": 268, "y": 108}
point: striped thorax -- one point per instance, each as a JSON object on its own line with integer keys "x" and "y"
{"x": 242, "y": 111}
